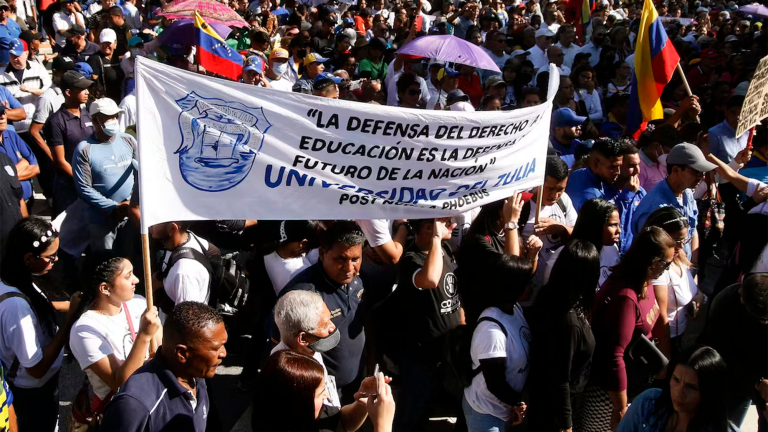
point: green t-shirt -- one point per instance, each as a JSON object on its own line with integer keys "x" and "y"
{"x": 378, "y": 72}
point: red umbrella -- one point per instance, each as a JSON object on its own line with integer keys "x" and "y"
{"x": 211, "y": 11}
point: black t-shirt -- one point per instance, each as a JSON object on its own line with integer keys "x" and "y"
{"x": 10, "y": 196}
{"x": 110, "y": 75}
{"x": 560, "y": 362}
{"x": 430, "y": 312}
{"x": 70, "y": 52}
{"x": 476, "y": 252}
{"x": 122, "y": 38}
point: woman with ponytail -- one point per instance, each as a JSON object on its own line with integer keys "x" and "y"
{"x": 30, "y": 342}
{"x": 111, "y": 338}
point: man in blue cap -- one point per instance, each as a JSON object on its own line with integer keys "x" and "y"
{"x": 21, "y": 155}
{"x": 253, "y": 71}
{"x": 26, "y": 81}
{"x": 324, "y": 85}
{"x": 566, "y": 129}
{"x": 313, "y": 65}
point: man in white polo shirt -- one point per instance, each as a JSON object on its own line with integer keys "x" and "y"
{"x": 544, "y": 38}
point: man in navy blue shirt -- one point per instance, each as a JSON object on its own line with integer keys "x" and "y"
{"x": 686, "y": 166}
{"x": 169, "y": 392}
{"x": 335, "y": 278}
{"x": 596, "y": 180}
{"x": 14, "y": 147}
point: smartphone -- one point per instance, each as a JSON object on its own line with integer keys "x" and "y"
{"x": 526, "y": 196}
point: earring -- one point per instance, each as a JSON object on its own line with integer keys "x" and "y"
{"x": 108, "y": 294}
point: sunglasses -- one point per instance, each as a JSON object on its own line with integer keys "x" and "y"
{"x": 50, "y": 258}
{"x": 4, "y": 9}
{"x": 414, "y": 92}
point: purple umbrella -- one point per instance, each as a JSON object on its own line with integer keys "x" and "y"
{"x": 754, "y": 9}
{"x": 450, "y": 49}
{"x": 182, "y": 32}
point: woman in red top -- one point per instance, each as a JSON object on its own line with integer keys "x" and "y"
{"x": 625, "y": 308}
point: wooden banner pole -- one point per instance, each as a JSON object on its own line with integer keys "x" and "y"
{"x": 685, "y": 82}
{"x": 539, "y": 199}
{"x": 148, "y": 282}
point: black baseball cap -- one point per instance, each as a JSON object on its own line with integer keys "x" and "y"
{"x": 73, "y": 79}
{"x": 75, "y": 30}
{"x": 62, "y": 65}
{"x": 29, "y": 36}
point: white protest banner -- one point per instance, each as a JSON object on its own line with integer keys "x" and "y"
{"x": 755, "y": 106}
{"x": 215, "y": 149}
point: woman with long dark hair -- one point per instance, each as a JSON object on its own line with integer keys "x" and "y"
{"x": 291, "y": 394}
{"x": 31, "y": 343}
{"x": 625, "y": 310}
{"x": 111, "y": 338}
{"x": 562, "y": 354}
{"x": 599, "y": 224}
{"x": 493, "y": 232}
{"x": 693, "y": 401}
{"x": 676, "y": 288}
{"x": 499, "y": 349}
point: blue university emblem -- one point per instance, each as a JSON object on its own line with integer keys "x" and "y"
{"x": 219, "y": 141}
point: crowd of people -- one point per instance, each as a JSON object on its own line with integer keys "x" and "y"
{"x": 632, "y": 297}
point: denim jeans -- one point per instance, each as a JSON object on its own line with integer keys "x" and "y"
{"x": 477, "y": 422}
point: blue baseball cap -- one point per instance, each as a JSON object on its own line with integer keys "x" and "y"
{"x": 16, "y": 47}
{"x": 327, "y": 76}
{"x": 254, "y": 63}
{"x": 84, "y": 68}
{"x": 565, "y": 117}
{"x": 348, "y": 21}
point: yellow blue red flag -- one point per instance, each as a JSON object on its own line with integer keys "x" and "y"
{"x": 655, "y": 62}
{"x": 214, "y": 54}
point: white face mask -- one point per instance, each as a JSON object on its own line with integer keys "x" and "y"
{"x": 279, "y": 68}
{"x": 111, "y": 127}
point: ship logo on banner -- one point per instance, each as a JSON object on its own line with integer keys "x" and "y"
{"x": 219, "y": 141}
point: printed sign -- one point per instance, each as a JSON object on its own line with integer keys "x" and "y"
{"x": 215, "y": 149}
{"x": 755, "y": 106}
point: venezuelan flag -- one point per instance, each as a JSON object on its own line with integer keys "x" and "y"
{"x": 579, "y": 12}
{"x": 655, "y": 62}
{"x": 214, "y": 54}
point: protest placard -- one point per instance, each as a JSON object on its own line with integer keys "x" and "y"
{"x": 213, "y": 149}
{"x": 755, "y": 106}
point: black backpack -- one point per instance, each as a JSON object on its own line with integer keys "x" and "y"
{"x": 459, "y": 358}
{"x": 229, "y": 284}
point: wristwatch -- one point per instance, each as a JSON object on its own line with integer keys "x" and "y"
{"x": 511, "y": 226}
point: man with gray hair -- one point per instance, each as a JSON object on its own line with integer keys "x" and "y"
{"x": 335, "y": 278}
{"x": 305, "y": 326}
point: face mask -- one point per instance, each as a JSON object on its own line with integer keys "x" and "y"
{"x": 279, "y": 68}
{"x": 111, "y": 128}
{"x": 301, "y": 53}
{"x": 327, "y": 343}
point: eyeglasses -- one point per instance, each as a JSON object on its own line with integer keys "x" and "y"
{"x": 50, "y": 258}
{"x": 684, "y": 241}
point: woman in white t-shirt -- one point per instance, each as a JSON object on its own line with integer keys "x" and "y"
{"x": 294, "y": 252}
{"x": 111, "y": 338}
{"x": 499, "y": 349}
{"x": 599, "y": 224}
{"x": 30, "y": 342}
{"x": 675, "y": 289}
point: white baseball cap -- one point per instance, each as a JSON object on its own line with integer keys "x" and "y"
{"x": 105, "y": 106}
{"x": 107, "y": 35}
{"x": 544, "y": 31}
